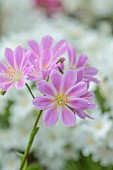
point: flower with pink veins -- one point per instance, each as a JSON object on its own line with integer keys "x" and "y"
{"x": 51, "y": 6}
{"x": 16, "y": 71}
{"x": 64, "y": 97}
{"x": 45, "y": 57}
{"x": 85, "y": 72}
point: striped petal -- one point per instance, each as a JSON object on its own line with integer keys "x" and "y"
{"x": 20, "y": 84}
{"x": 80, "y": 103}
{"x": 34, "y": 46}
{"x": 56, "y": 80}
{"x": 43, "y": 102}
{"x": 69, "y": 79}
{"x": 50, "y": 116}
{"x": 77, "y": 90}
{"x": 45, "y": 88}
{"x": 47, "y": 42}
{"x": 82, "y": 61}
{"x": 3, "y": 68}
{"x": 18, "y": 54}
{"x": 9, "y": 56}
{"x": 68, "y": 116}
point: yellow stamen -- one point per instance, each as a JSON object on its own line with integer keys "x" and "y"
{"x": 61, "y": 99}
{"x": 13, "y": 73}
{"x": 10, "y": 72}
{"x": 45, "y": 66}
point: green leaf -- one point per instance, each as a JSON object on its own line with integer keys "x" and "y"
{"x": 35, "y": 131}
{"x": 20, "y": 155}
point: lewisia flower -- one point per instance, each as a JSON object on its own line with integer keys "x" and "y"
{"x": 45, "y": 57}
{"x": 85, "y": 72}
{"x": 51, "y": 6}
{"x": 63, "y": 96}
{"x": 16, "y": 71}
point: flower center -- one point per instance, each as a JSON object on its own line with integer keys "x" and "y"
{"x": 13, "y": 73}
{"x": 10, "y": 72}
{"x": 61, "y": 99}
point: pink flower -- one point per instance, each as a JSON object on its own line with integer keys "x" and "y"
{"x": 16, "y": 71}
{"x": 85, "y": 72}
{"x": 45, "y": 57}
{"x": 63, "y": 96}
{"x": 51, "y": 6}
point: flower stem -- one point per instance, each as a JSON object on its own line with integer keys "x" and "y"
{"x": 30, "y": 90}
{"x": 32, "y": 135}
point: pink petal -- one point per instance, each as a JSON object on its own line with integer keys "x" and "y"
{"x": 89, "y": 96}
{"x": 72, "y": 56}
{"x": 50, "y": 116}
{"x": 20, "y": 84}
{"x": 8, "y": 86}
{"x": 80, "y": 103}
{"x": 59, "y": 53}
{"x": 18, "y": 54}
{"x": 5, "y": 83}
{"x": 5, "y": 80}
{"x": 25, "y": 59}
{"x": 33, "y": 57}
{"x": 27, "y": 70}
{"x": 80, "y": 75}
{"x": 80, "y": 113}
{"x": 87, "y": 115}
{"x": 77, "y": 90}
{"x": 34, "y": 46}
{"x": 45, "y": 88}
{"x": 44, "y": 74}
{"x": 43, "y": 102}
{"x": 47, "y": 42}
{"x": 68, "y": 116}
{"x": 59, "y": 45}
{"x": 93, "y": 79}
{"x": 9, "y": 56}
{"x": 56, "y": 79}
{"x": 91, "y": 70}
{"x": 3, "y": 68}
{"x": 69, "y": 79}
{"x": 45, "y": 59}
{"x": 82, "y": 61}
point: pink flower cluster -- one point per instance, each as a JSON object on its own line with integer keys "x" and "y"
{"x": 65, "y": 94}
{"x": 50, "y": 6}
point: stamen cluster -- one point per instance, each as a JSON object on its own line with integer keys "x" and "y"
{"x": 61, "y": 99}
{"x": 10, "y": 72}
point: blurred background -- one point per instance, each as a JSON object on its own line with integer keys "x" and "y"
{"x": 87, "y": 24}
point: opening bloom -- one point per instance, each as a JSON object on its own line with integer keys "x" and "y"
{"x": 63, "y": 96}
{"x": 85, "y": 72}
{"x": 16, "y": 71}
{"x": 45, "y": 57}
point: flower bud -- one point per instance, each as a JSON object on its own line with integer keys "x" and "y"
{"x": 2, "y": 92}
